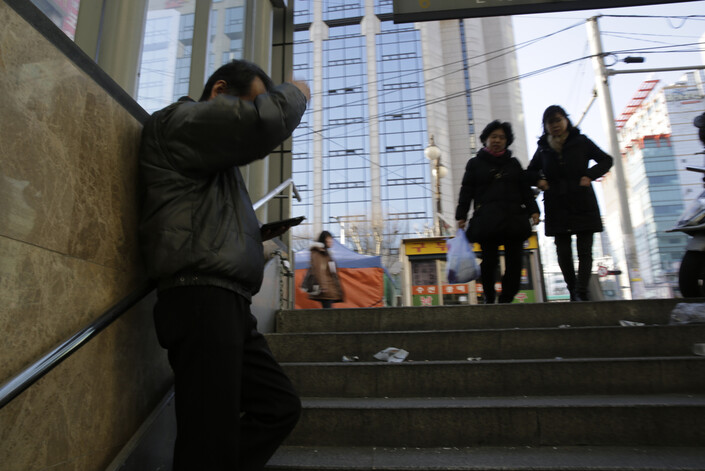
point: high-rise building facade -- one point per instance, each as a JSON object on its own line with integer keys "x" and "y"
{"x": 168, "y": 41}
{"x": 658, "y": 141}
{"x": 380, "y": 91}
{"x": 63, "y": 13}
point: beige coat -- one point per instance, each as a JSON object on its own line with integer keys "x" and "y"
{"x": 325, "y": 272}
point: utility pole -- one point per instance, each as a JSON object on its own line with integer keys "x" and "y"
{"x": 608, "y": 121}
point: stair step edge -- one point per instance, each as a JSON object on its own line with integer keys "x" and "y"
{"x": 647, "y": 400}
{"x": 577, "y": 458}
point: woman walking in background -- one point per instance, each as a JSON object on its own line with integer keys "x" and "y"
{"x": 561, "y": 168}
{"x": 503, "y": 204}
{"x": 324, "y": 272}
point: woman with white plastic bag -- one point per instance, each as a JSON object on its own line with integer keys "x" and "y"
{"x": 504, "y": 209}
{"x": 461, "y": 264}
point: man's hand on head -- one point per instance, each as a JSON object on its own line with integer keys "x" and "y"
{"x": 303, "y": 86}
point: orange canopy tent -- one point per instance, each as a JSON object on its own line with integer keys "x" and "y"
{"x": 365, "y": 281}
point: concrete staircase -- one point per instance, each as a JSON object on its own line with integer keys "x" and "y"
{"x": 503, "y": 387}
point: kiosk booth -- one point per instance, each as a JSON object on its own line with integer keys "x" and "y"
{"x": 424, "y": 279}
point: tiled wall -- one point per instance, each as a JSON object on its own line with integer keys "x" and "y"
{"x": 68, "y": 155}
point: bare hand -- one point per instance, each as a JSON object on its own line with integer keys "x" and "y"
{"x": 461, "y": 223}
{"x": 585, "y": 181}
{"x": 303, "y": 86}
{"x": 542, "y": 184}
{"x": 535, "y": 218}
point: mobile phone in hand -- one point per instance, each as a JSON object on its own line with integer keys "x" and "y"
{"x": 273, "y": 226}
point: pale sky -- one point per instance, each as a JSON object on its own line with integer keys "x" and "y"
{"x": 571, "y": 86}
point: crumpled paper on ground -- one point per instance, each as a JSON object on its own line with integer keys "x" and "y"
{"x": 624, "y": 323}
{"x": 392, "y": 355}
{"x": 688, "y": 313}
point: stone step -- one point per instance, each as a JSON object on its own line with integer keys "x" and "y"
{"x": 521, "y": 458}
{"x": 556, "y": 386}
{"x": 643, "y": 420}
{"x": 655, "y": 375}
{"x": 600, "y": 313}
{"x": 533, "y": 343}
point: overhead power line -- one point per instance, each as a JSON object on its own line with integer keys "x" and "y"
{"x": 492, "y": 55}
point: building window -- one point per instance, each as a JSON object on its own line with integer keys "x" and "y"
{"x": 400, "y": 86}
{"x": 355, "y": 60}
{"x": 233, "y": 22}
{"x": 396, "y": 57}
{"x": 342, "y": 121}
{"x": 405, "y": 181}
{"x": 339, "y": 10}
{"x": 663, "y": 179}
{"x": 63, "y": 14}
{"x": 404, "y": 148}
{"x": 186, "y": 28}
{"x": 668, "y": 210}
{"x": 346, "y": 185}
{"x": 337, "y": 153}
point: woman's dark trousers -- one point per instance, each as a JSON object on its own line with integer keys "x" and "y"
{"x": 234, "y": 404}
{"x": 577, "y": 286}
{"x": 512, "y": 270}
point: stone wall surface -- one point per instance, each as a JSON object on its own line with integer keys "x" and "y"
{"x": 68, "y": 251}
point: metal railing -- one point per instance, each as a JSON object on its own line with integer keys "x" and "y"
{"x": 30, "y": 375}
{"x": 272, "y": 194}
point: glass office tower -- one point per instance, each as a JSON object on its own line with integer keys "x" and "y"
{"x": 168, "y": 40}
{"x": 658, "y": 141}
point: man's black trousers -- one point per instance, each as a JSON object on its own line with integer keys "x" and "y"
{"x": 234, "y": 404}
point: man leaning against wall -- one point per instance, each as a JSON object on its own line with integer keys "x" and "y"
{"x": 201, "y": 240}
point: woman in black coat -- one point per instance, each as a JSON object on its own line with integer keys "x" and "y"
{"x": 503, "y": 204}
{"x": 561, "y": 168}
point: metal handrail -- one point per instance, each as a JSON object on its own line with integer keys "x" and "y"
{"x": 12, "y": 388}
{"x": 30, "y": 375}
{"x": 269, "y": 196}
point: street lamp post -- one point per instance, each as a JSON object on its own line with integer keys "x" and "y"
{"x": 433, "y": 153}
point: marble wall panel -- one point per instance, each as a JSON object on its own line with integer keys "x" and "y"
{"x": 47, "y": 297}
{"x": 80, "y": 415}
{"x": 68, "y": 252}
{"x": 67, "y": 166}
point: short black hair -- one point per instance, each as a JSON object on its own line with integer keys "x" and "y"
{"x": 238, "y": 74}
{"x": 699, "y": 122}
{"x": 550, "y": 112}
{"x": 492, "y": 127}
{"x": 324, "y": 235}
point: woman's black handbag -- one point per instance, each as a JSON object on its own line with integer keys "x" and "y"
{"x": 310, "y": 284}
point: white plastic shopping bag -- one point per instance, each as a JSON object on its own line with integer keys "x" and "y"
{"x": 461, "y": 264}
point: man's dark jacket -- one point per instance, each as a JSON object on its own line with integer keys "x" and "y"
{"x": 569, "y": 208}
{"x": 197, "y": 225}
